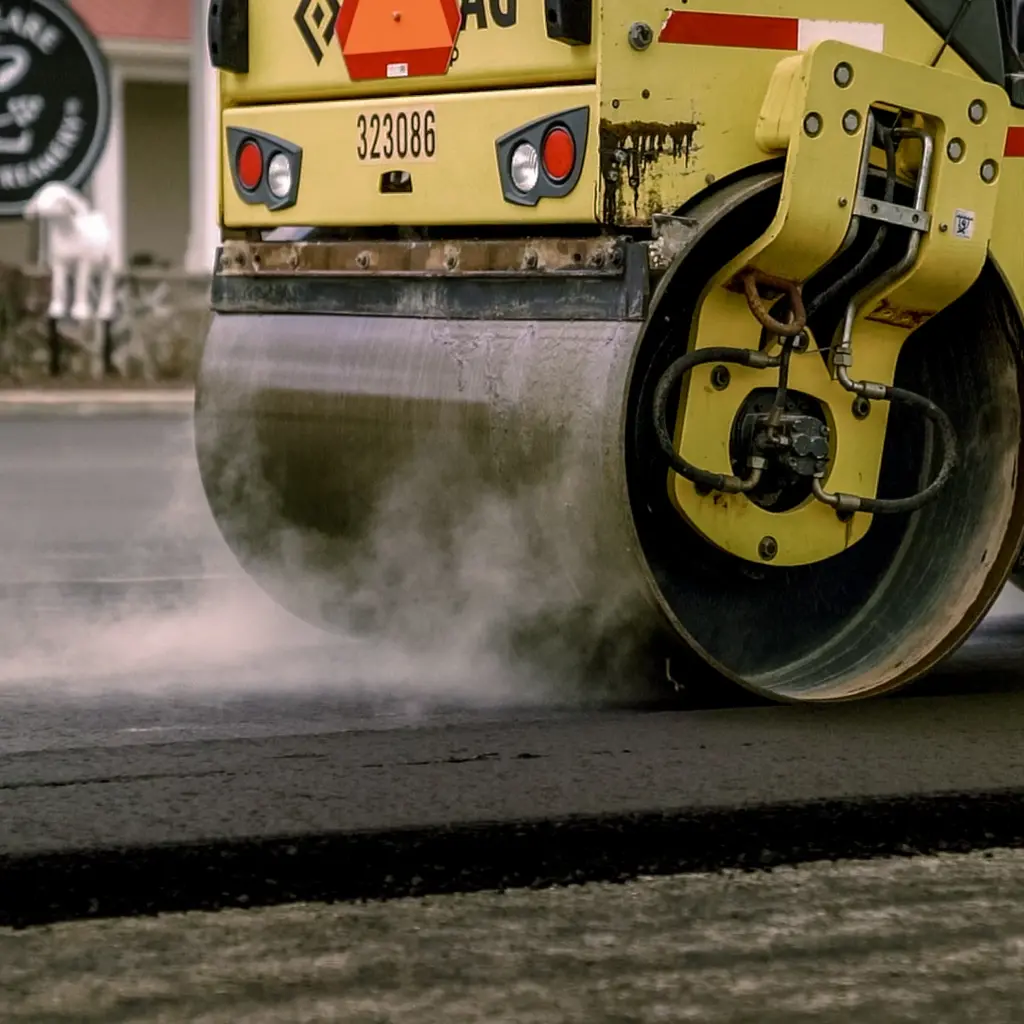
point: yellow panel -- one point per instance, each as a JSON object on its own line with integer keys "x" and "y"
{"x": 810, "y": 532}
{"x": 504, "y": 42}
{"x": 821, "y": 172}
{"x": 685, "y": 115}
{"x": 460, "y": 186}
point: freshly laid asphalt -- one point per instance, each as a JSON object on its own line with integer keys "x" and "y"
{"x": 169, "y": 740}
{"x": 935, "y": 940}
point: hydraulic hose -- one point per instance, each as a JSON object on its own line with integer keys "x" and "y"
{"x": 669, "y": 379}
{"x": 859, "y": 269}
{"x": 847, "y": 503}
{"x": 782, "y": 388}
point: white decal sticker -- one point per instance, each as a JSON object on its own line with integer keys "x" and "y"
{"x": 963, "y": 224}
{"x": 868, "y": 35}
{"x": 398, "y": 71}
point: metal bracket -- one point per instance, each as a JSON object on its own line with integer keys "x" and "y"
{"x": 672, "y": 236}
{"x": 893, "y": 213}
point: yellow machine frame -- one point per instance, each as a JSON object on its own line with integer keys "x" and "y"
{"x": 662, "y": 130}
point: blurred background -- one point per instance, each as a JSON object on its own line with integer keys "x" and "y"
{"x": 155, "y": 183}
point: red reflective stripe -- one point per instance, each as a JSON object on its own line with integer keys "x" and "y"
{"x": 453, "y": 14}
{"x": 749, "y": 30}
{"x": 1014, "y": 142}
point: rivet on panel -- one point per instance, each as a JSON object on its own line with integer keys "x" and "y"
{"x": 843, "y": 75}
{"x": 813, "y": 124}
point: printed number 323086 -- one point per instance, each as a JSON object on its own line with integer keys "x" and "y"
{"x": 401, "y": 135}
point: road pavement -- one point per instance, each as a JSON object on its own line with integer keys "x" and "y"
{"x": 933, "y": 939}
{"x": 152, "y": 696}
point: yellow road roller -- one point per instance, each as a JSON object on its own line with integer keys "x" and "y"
{"x": 664, "y": 341}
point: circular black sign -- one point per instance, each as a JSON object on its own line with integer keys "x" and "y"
{"x": 54, "y": 100}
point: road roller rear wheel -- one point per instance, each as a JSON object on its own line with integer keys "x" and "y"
{"x": 893, "y": 605}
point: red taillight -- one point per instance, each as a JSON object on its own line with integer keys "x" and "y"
{"x": 250, "y": 165}
{"x": 559, "y": 155}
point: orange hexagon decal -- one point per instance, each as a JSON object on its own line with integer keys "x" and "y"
{"x": 398, "y": 38}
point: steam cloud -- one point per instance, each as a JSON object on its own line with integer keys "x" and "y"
{"x": 452, "y": 595}
{"x": 430, "y": 606}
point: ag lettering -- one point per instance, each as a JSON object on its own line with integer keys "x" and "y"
{"x": 503, "y": 13}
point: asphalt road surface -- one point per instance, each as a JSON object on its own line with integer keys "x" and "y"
{"x": 936, "y": 940}
{"x": 160, "y": 718}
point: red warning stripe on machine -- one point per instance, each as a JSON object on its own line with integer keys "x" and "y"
{"x": 1014, "y": 141}
{"x": 761, "y": 32}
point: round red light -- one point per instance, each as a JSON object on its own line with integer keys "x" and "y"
{"x": 250, "y": 165}
{"x": 559, "y": 155}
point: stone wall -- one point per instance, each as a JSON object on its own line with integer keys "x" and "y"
{"x": 156, "y": 337}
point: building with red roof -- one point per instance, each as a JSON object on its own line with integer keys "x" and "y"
{"x": 151, "y": 21}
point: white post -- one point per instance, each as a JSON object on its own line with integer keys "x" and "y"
{"x": 204, "y": 140}
{"x": 107, "y": 184}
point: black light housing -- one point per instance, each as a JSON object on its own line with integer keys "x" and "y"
{"x": 576, "y": 122}
{"x": 227, "y": 35}
{"x": 569, "y": 21}
{"x": 270, "y": 146}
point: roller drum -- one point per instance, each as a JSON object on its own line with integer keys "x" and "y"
{"x": 392, "y": 474}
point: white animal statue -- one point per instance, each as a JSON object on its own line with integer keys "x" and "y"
{"x": 78, "y": 241}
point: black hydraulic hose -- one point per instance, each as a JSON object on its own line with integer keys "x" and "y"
{"x": 946, "y": 431}
{"x": 864, "y": 263}
{"x": 894, "y": 506}
{"x": 779, "y": 403}
{"x": 672, "y": 376}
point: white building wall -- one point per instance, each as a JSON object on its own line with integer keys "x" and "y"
{"x": 106, "y": 188}
{"x": 205, "y": 145}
